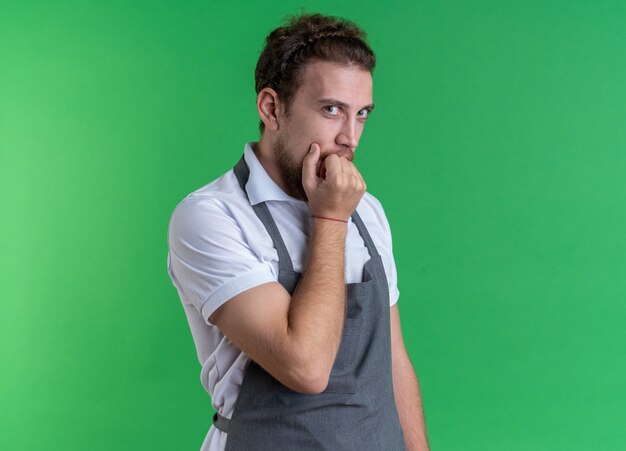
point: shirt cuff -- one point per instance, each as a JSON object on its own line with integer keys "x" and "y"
{"x": 394, "y": 294}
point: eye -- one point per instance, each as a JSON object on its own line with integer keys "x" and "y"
{"x": 333, "y": 110}
{"x": 364, "y": 113}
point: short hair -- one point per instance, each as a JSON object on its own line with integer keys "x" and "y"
{"x": 305, "y": 38}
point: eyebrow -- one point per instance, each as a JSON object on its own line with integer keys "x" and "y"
{"x": 369, "y": 107}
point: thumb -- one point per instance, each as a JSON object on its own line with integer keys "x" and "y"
{"x": 309, "y": 165}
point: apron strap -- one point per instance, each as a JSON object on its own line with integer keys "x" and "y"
{"x": 242, "y": 172}
{"x": 367, "y": 239}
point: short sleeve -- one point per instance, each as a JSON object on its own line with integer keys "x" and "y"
{"x": 209, "y": 259}
{"x": 390, "y": 267}
{"x": 386, "y": 253}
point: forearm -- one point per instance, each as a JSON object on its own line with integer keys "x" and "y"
{"x": 317, "y": 309}
{"x": 409, "y": 405}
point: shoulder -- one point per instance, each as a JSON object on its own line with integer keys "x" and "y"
{"x": 218, "y": 220}
{"x": 210, "y": 220}
{"x": 208, "y": 206}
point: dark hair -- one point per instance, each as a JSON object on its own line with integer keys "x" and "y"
{"x": 305, "y": 38}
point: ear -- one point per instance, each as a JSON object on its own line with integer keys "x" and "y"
{"x": 268, "y": 105}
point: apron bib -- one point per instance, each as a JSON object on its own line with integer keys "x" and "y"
{"x": 357, "y": 411}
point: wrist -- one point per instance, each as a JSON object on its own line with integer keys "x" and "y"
{"x": 330, "y": 218}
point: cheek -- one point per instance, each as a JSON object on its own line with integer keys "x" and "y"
{"x": 323, "y": 132}
{"x": 326, "y": 139}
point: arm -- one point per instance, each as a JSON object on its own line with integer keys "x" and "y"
{"x": 296, "y": 339}
{"x": 406, "y": 390}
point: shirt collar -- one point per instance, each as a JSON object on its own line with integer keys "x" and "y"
{"x": 260, "y": 186}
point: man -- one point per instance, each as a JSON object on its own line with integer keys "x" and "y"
{"x": 285, "y": 269}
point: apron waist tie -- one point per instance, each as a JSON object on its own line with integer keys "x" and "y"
{"x": 221, "y": 422}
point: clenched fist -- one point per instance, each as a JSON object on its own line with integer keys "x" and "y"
{"x": 335, "y": 193}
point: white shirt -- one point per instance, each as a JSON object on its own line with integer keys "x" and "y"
{"x": 218, "y": 248}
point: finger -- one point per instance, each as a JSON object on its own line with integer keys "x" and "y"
{"x": 309, "y": 165}
{"x": 333, "y": 165}
{"x": 345, "y": 165}
{"x": 351, "y": 169}
{"x": 356, "y": 172}
{"x": 357, "y": 176}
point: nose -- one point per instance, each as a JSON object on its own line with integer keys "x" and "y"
{"x": 349, "y": 135}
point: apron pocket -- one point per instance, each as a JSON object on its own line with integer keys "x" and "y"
{"x": 343, "y": 374}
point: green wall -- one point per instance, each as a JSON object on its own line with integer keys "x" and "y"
{"x": 497, "y": 149}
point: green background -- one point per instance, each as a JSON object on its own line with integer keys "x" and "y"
{"x": 497, "y": 150}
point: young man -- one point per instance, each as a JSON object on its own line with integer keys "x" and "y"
{"x": 285, "y": 269}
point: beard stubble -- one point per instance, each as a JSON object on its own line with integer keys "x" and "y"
{"x": 290, "y": 169}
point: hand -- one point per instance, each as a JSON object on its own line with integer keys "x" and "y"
{"x": 338, "y": 191}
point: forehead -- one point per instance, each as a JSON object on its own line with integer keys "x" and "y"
{"x": 323, "y": 79}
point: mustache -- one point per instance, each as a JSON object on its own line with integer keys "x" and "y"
{"x": 320, "y": 168}
{"x": 340, "y": 153}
